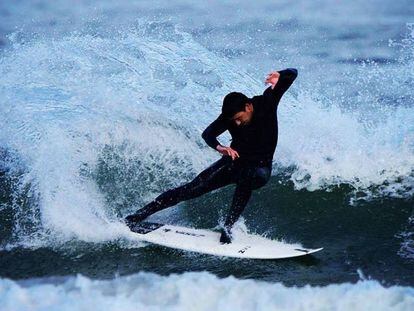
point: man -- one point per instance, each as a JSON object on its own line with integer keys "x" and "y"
{"x": 247, "y": 162}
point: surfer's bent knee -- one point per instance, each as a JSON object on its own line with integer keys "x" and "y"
{"x": 261, "y": 177}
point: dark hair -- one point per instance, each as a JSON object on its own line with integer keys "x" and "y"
{"x": 233, "y": 103}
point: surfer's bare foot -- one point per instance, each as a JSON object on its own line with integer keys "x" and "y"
{"x": 225, "y": 237}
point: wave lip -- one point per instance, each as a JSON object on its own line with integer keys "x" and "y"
{"x": 196, "y": 291}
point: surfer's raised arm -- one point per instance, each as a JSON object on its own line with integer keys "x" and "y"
{"x": 280, "y": 81}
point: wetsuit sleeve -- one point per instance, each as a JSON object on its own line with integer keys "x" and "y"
{"x": 216, "y": 128}
{"x": 287, "y": 76}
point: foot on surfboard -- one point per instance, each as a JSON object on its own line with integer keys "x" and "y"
{"x": 225, "y": 237}
{"x": 133, "y": 219}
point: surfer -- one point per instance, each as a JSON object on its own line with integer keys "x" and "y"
{"x": 247, "y": 162}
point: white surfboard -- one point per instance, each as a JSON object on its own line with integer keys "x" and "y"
{"x": 207, "y": 242}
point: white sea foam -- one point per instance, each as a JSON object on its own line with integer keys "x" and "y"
{"x": 196, "y": 291}
{"x": 72, "y": 104}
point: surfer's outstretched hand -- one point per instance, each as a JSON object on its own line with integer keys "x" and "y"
{"x": 228, "y": 151}
{"x": 272, "y": 78}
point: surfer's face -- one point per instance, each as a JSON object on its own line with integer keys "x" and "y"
{"x": 243, "y": 117}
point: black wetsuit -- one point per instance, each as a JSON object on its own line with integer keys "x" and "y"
{"x": 255, "y": 144}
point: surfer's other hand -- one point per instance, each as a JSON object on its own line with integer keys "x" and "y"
{"x": 272, "y": 78}
{"x": 228, "y": 151}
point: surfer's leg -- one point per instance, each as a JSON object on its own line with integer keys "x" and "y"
{"x": 217, "y": 175}
{"x": 249, "y": 179}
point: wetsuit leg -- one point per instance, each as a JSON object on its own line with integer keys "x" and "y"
{"x": 217, "y": 175}
{"x": 249, "y": 178}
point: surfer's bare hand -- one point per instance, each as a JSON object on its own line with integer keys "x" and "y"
{"x": 228, "y": 151}
{"x": 272, "y": 78}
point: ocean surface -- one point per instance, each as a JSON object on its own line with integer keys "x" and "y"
{"x": 102, "y": 106}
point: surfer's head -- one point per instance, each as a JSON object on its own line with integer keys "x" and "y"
{"x": 238, "y": 108}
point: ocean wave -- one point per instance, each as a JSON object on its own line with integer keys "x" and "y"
{"x": 99, "y": 124}
{"x": 196, "y": 291}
